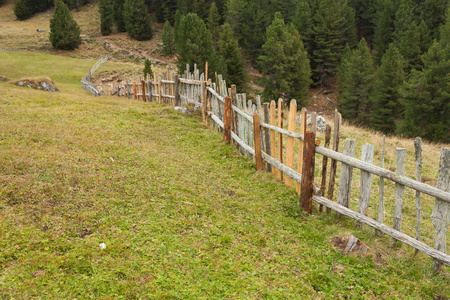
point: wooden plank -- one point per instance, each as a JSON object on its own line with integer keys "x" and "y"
{"x": 134, "y": 90}
{"x": 441, "y": 210}
{"x": 203, "y": 101}
{"x": 325, "y": 162}
{"x": 345, "y": 181}
{"x": 290, "y": 146}
{"x": 257, "y": 134}
{"x": 227, "y": 121}
{"x": 333, "y": 167}
{"x": 280, "y": 137}
{"x": 314, "y": 121}
{"x": 366, "y": 181}
{"x": 144, "y": 97}
{"x": 160, "y": 90}
{"x": 177, "y": 90}
{"x": 267, "y": 148}
{"x": 234, "y": 123}
{"x": 240, "y": 131}
{"x": 272, "y": 132}
{"x": 380, "y": 215}
{"x": 403, "y": 180}
{"x": 418, "y": 154}
{"x": 399, "y": 191}
{"x": 385, "y": 229}
{"x": 303, "y": 115}
{"x": 306, "y": 192}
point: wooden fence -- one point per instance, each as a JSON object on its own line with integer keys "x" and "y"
{"x": 86, "y": 80}
{"x": 258, "y": 131}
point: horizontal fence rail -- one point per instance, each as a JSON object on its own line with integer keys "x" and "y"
{"x": 258, "y": 131}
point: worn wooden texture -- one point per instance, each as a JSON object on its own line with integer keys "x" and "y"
{"x": 257, "y": 134}
{"x": 227, "y": 120}
{"x": 333, "y": 166}
{"x": 144, "y": 96}
{"x": 306, "y": 191}
{"x": 303, "y": 115}
{"x": 234, "y": 123}
{"x": 399, "y": 191}
{"x": 345, "y": 181}
{"x": 267, "y": 148}
{"x": 418, "y": 154}
{"x": 134, "y": 90}
{"x": 160, "y": 90}
{"x": 290, "y": 144}
{"x": 177, "y": 90}
{"x": 314, "y": 122}
{"x": 366, "y": 180}
{"x": 380, "y": 214}
{"x": 280, "y": 137}
{"x": 250, "y": 124}
{"x": 241, "y": 123}
{"x": 325, "y": 162}
{"x": 384, "y": 228}
{"x": 403, "y": 180}
{"x": 272, "y": 132}
{"x": 441, "y": 210}
{"x": 203, "y": 101}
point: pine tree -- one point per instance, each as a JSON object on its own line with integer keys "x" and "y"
{"x": 64, "y": 30}
{"x": 356, "y": 83}
{"x": 213, "y": 22}
{"x": 23, "y": 10}
{"x": 118, "y": 15}
{"x": 444, "y": 31}
{"x": 194, "y": 44}
{"x": 425, "y": 96}
{"x": 303, "y": 22}
{"x": 386, "y": 97}
{"x": 384, "y": 27}
{"x": 106, "y": 16}
{"x": 284, "y": 63}
{"x": 168, "y": 39}
{"x": 148, "y": 68}
{"x": 229, "y": 50}
{"x": 364, "y": 16}
{"x": 332, "y": 30}
{"x": 137, "y": 20}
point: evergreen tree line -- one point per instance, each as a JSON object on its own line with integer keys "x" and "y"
{"x": 377, "y": 50}
{"x": 25, "y": 9}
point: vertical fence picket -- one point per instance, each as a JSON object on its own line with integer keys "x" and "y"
{"x": 325, "y": 163}
{"x": 303, "y": 117}
{"x": 272, "y": 133}
{"x": 366, "y": 181}
{"x": 441, "y": 210}
{"x": 399, "y": 191}
{"x": 306, "y": 192}
{"x": 280, "y": 137}
{"x": 290, "y": 144}
{"x": 418, "y": 154}
{"x": 257, "y": 135}
{"x": 380, "y": 215}
{"x": 333, "y": 166}
{"x": 345, "y": 181}
{"x": 267, "y": 148}
{"x": 227, "y": 120}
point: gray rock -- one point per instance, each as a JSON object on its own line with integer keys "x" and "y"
{"x": 182, "y": 109}
{"x": 320, "y": 122}
{"x": 20, "y": 83}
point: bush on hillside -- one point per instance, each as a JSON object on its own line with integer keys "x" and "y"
{"x": 64, "y": 30}
{"x": 137, "y": 20}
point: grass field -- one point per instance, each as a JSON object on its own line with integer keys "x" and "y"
{"x": 182, "y": 215}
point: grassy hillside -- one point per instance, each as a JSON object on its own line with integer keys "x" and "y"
{"x": 182, "y": 215}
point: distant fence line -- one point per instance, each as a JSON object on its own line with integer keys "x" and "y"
{"x": 257, "y": 129}
{"x": 86, "y": 80}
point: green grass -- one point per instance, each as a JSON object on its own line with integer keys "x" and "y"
{"x": 183, "y": 215}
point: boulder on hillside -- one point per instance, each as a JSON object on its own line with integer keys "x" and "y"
{"x": 37, "y": 83}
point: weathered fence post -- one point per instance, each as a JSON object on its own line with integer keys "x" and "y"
{"x": 257, "y": 134}
{"x": 177, "y": 90}
{"x": 134, "y": 90}
{"x": 272, "y": 133}
{"x": 306, "y": 192}
{"x": 399, "y": 191}
{"x": 160, "y": 90}
{"x": 266, "y": 134}
{"x": 380, "y": 217}
{"x": 280, "y": 137}
{"x": 303, "y": 116}
{"x": 366, "y": 181}
{"x": 345, "y": 181}
{"x": 441, "y": 210}
{"x": 418, "y": 152}
{"x": 144, "y": 96}
{"x": 333, "y": 167}
{"x": 227, "y": 120}
{"x": 290, "y": 152}
{"x": 324, "y": 163}
{"x": 203, "y": 101}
